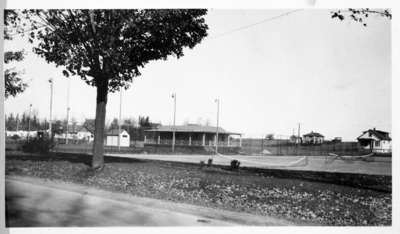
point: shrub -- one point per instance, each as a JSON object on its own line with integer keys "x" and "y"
{"x": 37, "y": 145}
{"x": 15, "y": 137}
{"x": 235, "y": 164}
{"x": 202, "y": 164}
{"x": 209, "y": 162}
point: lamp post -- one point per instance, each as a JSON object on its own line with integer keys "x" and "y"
{"x": 68, "y": 109}
{"x": 173, "y": 129}
{"x": 119, "y": 120}
{"x": 216, "y": 138}
{"x": 51, "y": 108}
{"x": 29, "y": 121}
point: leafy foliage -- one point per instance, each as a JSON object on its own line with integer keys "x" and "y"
{"x": 37, "y": 145}
{"x": 113, "y": 45}
{"x": 13, "y": 82}
{"x": 89, "y": 125}
{"x": 235, "y": 164}
{"x": 360, "y": 15}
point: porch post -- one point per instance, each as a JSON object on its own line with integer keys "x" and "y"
{"x": 159, "y": 139}
{"x": 215, "y": 140}
{"x": 144, "y": 139}
{"x": 240, "y": 141}
{"x": 204, "y": 139}
{"x": 228, "y": 141}
{"x": 190, "y": 139}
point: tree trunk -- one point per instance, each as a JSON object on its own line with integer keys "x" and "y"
{"x": 98, "y": 144}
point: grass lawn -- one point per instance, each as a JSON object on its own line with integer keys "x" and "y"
{"x": 241, "y": 191}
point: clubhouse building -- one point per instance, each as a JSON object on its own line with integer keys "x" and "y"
{"x": 191, "y": 135}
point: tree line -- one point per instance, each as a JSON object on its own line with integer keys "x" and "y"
{"x": 135, "y": 127}
{"x": 22, "y": 122}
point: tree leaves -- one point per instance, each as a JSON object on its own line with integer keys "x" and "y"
{"x": 12, "y": 81}
{"x": 360, "y": 15}
{"x": 115, "y": 44}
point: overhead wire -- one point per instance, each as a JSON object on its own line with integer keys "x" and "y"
{"x": 254, "y": 24}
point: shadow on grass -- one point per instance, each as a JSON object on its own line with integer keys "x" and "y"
{"x": 72, "y": 157}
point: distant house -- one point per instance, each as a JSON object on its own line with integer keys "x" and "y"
{"x": 114, "y": 135}
{"x": 85, "y": 135}
{"x": 376, "y": 140}
{"x": 337, "y": 140}
{"x": 313, "y": 138}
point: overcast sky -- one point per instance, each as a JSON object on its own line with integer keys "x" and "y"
{"x": 333, "y": 77}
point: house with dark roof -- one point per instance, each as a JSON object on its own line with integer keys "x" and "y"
{"x": 376, "y": 141}
{"x": 116, "y": 137}
{"x": 190, "y": 135}
{"x": 313, "y": 138}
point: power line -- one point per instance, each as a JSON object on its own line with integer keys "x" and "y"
{"x": 254, "y": 24}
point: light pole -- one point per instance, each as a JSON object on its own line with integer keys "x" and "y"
{"x": 66, "y": 133}
{"x": 29, "y": 121}
{"x": 216, "y": 138}
{"x": 119, "y": 120}
{"x": 173, "y": 129}
{"x": 51, "y": 108}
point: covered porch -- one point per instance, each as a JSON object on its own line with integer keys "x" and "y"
{"x": 192, "y": 135}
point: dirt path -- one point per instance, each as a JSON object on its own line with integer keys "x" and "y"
{"x": 38, "y": 202}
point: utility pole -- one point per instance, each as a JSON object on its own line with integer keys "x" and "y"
{"x": 119, "y": 120}
{"x": 17, "y": 122}
{"x": 66, "y": 133}
{"x": 29, "y": 121}
{"x": 298, "y": 132}
{"x": 51, "y": 108}
{"x": 298, "y": 141}
{"x": 216, "y": 137}
{"x": 173, "y": 129}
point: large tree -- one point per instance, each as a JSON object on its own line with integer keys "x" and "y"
{"x": 106, "y": 48}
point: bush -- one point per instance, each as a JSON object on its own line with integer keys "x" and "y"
{"x": 202, "y": 164}
{"x": 15, "y": 137}
{"x": 37, "y": 145}
{"x": 235, "y": 164}
{"x": 209, "y": 162}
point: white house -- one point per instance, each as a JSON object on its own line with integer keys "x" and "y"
{"x": 113, "y": 135}
{"x": 85, "y": 135}
{"x": 375, "y": 140}
{"x": 21, "y": 134}
{"x": 313, "y": 138}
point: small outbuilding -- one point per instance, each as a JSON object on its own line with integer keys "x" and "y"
{"x": 115, "y": 136}
{"x": 375, "y": 140}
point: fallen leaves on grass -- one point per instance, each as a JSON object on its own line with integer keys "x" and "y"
{"x": 292, "y": 199}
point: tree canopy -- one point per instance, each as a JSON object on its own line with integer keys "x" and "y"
{"x": 113, "y": 44}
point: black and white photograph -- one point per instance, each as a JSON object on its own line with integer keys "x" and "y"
{"x": 193, "y": 117}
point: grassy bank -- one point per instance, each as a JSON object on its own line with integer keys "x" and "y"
{"x": 242, "y": 191}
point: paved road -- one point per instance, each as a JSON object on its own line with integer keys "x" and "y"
{"x": 33, "y": 202}
{"x": 382, "y": 166}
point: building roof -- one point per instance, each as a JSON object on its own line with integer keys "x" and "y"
{"x": 115, "y": 132}
{"x": 382, "y": 135}
{"x": 313, "y": 134}
{"x": 191, "y": 128}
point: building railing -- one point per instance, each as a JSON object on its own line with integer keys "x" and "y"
{"x": 191, "y": 143}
